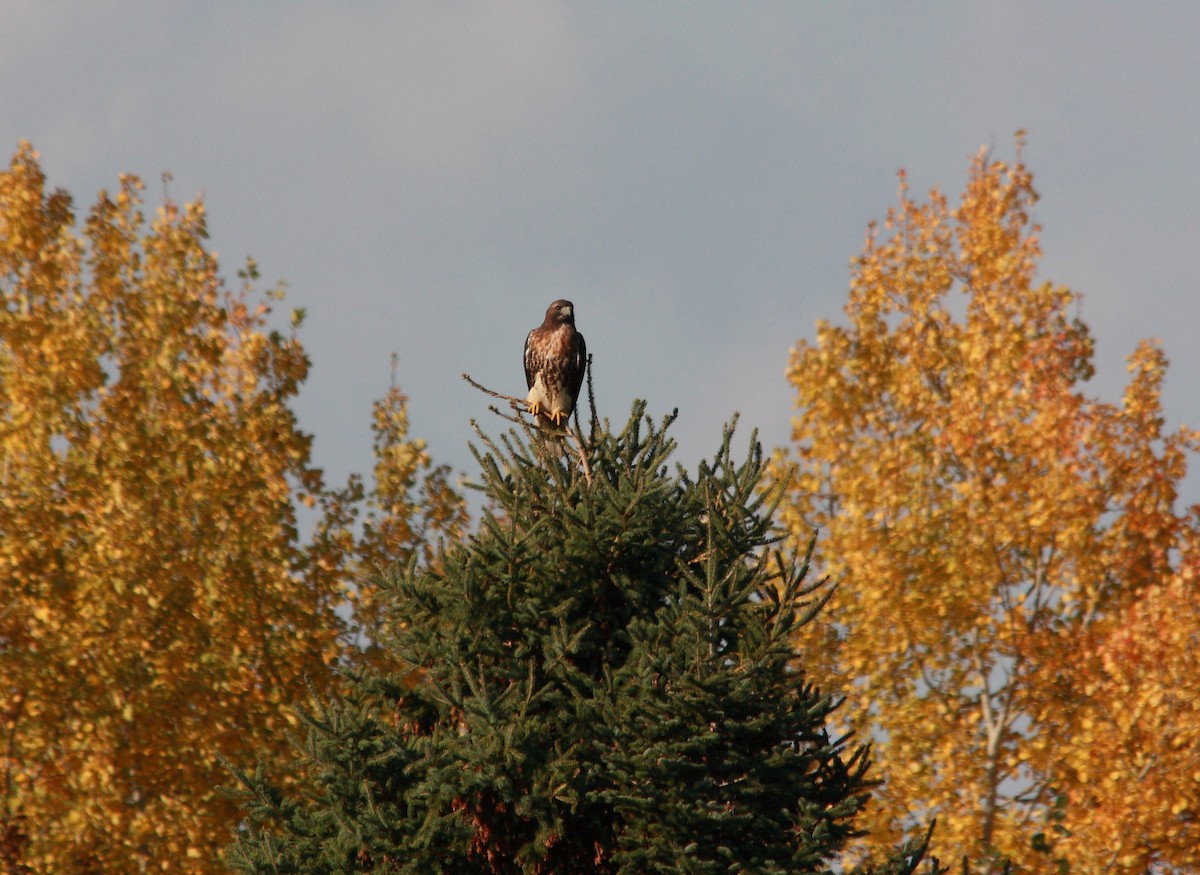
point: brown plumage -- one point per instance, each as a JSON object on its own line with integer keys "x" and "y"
{"x": 555, "y": 359}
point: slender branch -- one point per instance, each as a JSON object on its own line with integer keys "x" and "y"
{"x": 516, "y": 402}
{"x": 510, "y": 417}
{"x": 518, "y": 405}
{"x": 595, "y": 423}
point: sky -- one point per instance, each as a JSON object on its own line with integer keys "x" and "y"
{"x": 696, "y": 177}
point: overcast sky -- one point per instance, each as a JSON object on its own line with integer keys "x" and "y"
{"x": 696, "y": 177}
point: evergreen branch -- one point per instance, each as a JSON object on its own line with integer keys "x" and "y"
{"x": 514, "y": 419}
{"x": 595, "y": 423}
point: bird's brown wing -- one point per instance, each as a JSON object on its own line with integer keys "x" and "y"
{"x": 577, "y": 367}
{"x": 531, "y": 363}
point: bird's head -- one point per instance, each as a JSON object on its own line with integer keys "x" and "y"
{"x": 560, "y": 312}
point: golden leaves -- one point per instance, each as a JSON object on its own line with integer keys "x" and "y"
{"x": 158, "y": 606}
{"x": 411, "y": 505}
{"x": 1138, "y": 724}
{"x": 986, "y": 518}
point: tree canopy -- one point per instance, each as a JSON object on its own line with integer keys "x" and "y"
{"x": 1000, "y": 537}
{"x": 159, "y": 603}
{"x": 601, "y": 679}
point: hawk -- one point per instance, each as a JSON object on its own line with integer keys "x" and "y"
{"x": 555, "y": 359}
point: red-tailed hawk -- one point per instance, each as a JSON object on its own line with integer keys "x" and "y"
{"x": 555, "y": 359}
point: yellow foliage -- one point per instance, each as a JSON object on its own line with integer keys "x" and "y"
{"x": 157, "y": 606}
{"x": 991, "y": 526}
{"x": 412, "y": 504}
{"x": 1132, "y": 776}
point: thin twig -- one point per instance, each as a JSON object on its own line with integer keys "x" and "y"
{"x": 517, "y": 420}
{"x": 518, "y": 405}
{"x": 510, "y": 398}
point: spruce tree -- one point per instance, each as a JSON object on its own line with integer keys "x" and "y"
{"x": 602, "y": 680}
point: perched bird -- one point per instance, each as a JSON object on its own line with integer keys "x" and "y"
{"x": 555, "y": 359}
